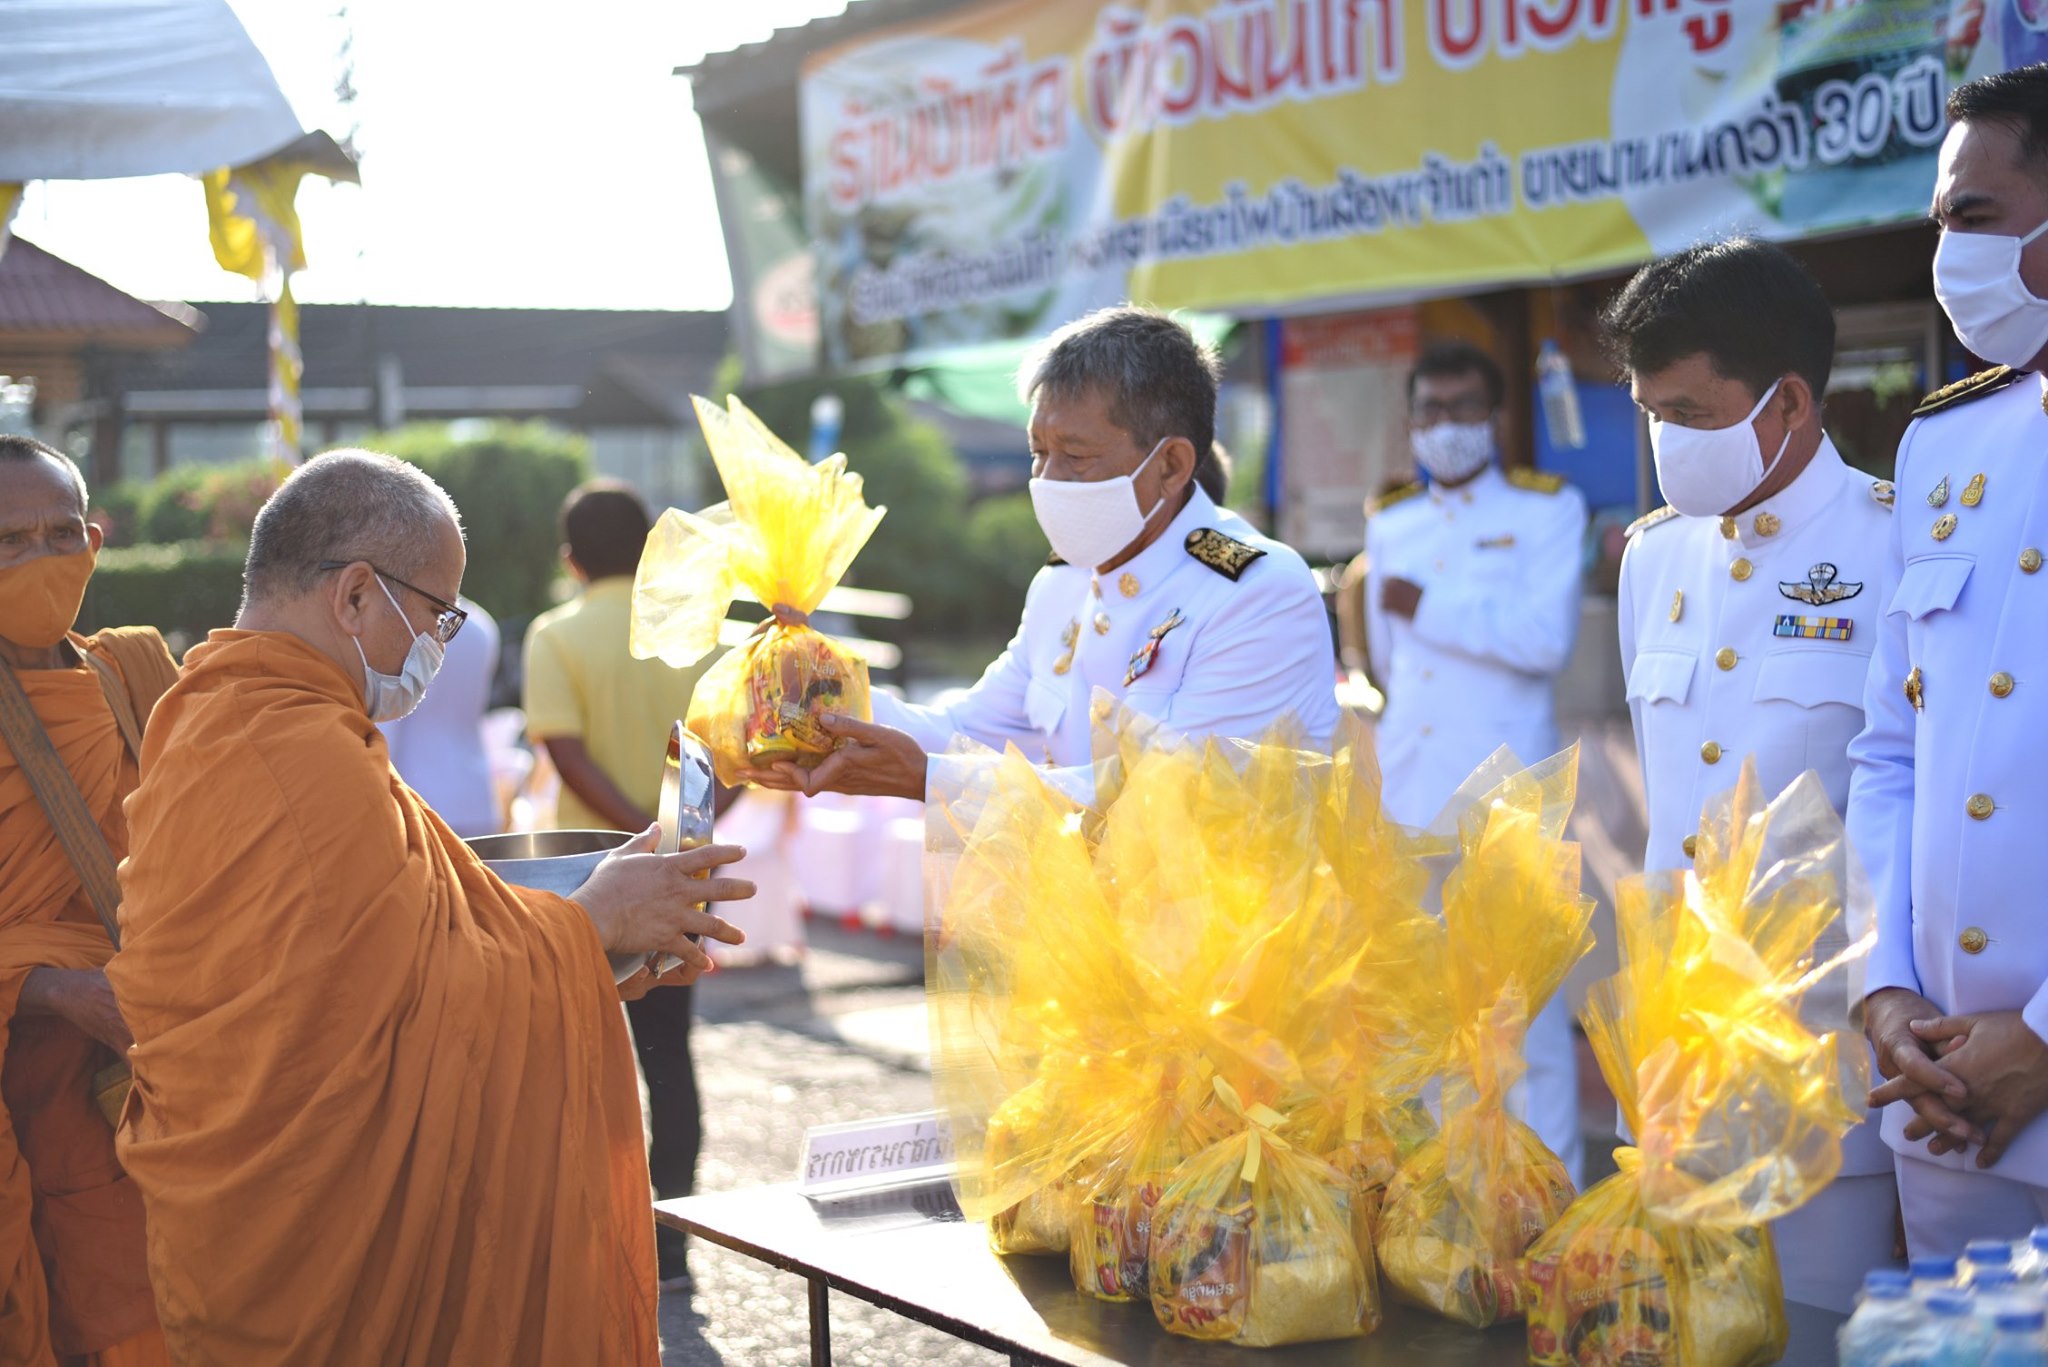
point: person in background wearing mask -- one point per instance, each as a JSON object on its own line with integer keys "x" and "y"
{"x": 1748, "y": 608}
{"x": 1944, "y": 803}
{"x": 1471, "y": 606}
{"x": 71, "y": 1236}
{"x": 385, "y": 1107}
{"x": 1155, "y": 596}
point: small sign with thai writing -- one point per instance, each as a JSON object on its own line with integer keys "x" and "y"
{"x": 868, "y": 1154}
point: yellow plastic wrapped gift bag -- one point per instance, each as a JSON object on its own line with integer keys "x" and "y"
{"x": 1610, "y": 1284}
{"x": 1462, "y": 1212}
{"x": 1725, "y": 1038}
{"x": 787, "y": 533}
{"x": 1252, "y": 1243}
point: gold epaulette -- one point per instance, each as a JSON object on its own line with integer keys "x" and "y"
{"x": 1651, "y": 519}
{"x": 1394, "y": 496}
{"x": 1962, "y": 391}
{"x": 1540, "y": 481}
{"x": 1224, "y": 554}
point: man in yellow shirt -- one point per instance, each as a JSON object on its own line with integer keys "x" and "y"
{"x": 604, "y": 718}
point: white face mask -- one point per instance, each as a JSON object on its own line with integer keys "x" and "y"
{"x": 1977, "y": 280}
{"x": 388, "y": 697}
{"x": 1706, "y": 471}
{"x": 1452, "y": 452}
{"x": 1090, "y": 524}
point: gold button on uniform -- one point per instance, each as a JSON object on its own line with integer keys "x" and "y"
{"x": 1973, "y": 941}
{"x": 1725, "y": 657}
{"x": 1063, "y": 663}
{"x": 1728, "y": 528}
{"x": 1740, "y": 571}
{"x": 1980, "y": 805}
{"x": 1711, "y": 752}
{"x": 1767, "y": 524}
{"x": 1689, "y": 844}
{"x": 2001, "y": 684}
{"x": 2030, "y": 560}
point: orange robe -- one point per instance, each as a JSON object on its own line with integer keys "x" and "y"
{"x": 72, "y": 1277}
{"x": 385, "y": 1108}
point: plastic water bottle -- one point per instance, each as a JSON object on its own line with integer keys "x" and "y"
{"x": 1886, "y": 1316}
{"x": 2017, "y": 1340}
{"x": 1562, "y": 418}
{"x": 1996, "y": 1290}
{"x": 1951, "y": 1335}
{"x": 1931, "y": 1275}
{"x": 1980, "y": 1255}
{"x": 2030, "y": 1256}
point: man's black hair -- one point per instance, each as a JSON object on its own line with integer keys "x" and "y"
{"x": 1746, "y": 305}
{"x": 2017, "y": 98}
{"x": 1446, "y": 360}
{"x": 604, "y": 525}
{"x": 13, "y": 446}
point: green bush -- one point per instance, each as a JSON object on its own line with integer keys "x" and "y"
{"x": 1008, "y": 549}
{"x": 509, "y": 480}
{"x": 191, "y": 587}
{"x": 205, "y": 503}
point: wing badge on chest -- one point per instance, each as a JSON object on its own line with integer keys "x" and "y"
{"x": 1143, "y": 657}
{"x": 1823, "y": 585}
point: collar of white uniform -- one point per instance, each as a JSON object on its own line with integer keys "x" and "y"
{"x": 1472, "y": 490}
{"x": 1151, "y": 565}
{"x": 1794, "y": 506}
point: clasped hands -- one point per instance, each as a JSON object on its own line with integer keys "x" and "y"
{"x": 1972, "y": 1080}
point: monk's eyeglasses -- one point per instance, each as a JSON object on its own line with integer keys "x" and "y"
{"x": 447, "y": 621}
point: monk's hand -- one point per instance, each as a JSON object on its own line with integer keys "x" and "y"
{"x": 80, "y": 996}
{"x": 1937, "y": 1095}
{"x": 646, "y": 903}
{"x": 872, "y": 761}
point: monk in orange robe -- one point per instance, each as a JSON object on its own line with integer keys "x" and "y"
{"x": 73, "y": 1285}
{"x": 385, "y": 1107}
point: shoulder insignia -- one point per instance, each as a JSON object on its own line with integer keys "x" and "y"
{"x": 1224, "y": 554}
{"x": 1539, "y": 481}
{"x": 1394, "y": 496}
{"x": 1651, "y": 519}
{"x": 1962, "y": 391}
{"x": 1882, "y": 493}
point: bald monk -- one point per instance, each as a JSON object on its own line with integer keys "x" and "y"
{"x": 73, "y": 1285}
{"x": 385, "y": 1108}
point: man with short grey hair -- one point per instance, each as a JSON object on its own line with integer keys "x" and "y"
{"x": 1155, "y": 597}
{"x": 385, "y": 1108}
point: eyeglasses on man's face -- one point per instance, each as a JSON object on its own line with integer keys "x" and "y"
{"x": 447, "y": 621}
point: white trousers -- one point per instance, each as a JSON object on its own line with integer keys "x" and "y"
{"x": 1826, "y": 1245}
{"x": 1945, "y": 1208}
{"x": 1547, "y": 1098}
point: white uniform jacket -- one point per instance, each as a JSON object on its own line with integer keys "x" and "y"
{"x": 1213, "y": 629}
{"x": 1948, "y": 805}
{"x": 1498, "y": 563}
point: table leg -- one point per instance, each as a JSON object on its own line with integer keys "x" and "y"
{"x": 821, "y": 1323}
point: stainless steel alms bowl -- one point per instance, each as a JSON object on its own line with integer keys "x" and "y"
{"x": 554, "y": 861}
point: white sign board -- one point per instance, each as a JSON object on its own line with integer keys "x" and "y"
{"x": 864, "y": 1155}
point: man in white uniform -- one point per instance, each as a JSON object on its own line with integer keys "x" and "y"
{"x": 1946, "y": 802}
{"x": 1155, "y": 597}
{"x": 1748, "y": 608}
{"x": 1472, "y": 604}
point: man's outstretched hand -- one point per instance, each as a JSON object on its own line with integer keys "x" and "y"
{"x": 873, "y": 761}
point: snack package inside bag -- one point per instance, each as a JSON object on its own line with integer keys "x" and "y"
{"x": 1110, "y": 1217}
{"x": 1465, "y": 1208}
{"x": 1253, "y": 1243}
{"x": 787, "y": 533}
{"x": 1707, "y": 1037}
